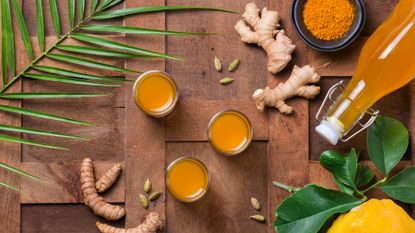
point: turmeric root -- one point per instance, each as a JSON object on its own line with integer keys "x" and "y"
{"x": 91, "y": 197}
{"x": 296, "y": 85}
{"x": 278, "y": 48}
{"x": 108, "y": 179}
{"x": 151, "y": 224}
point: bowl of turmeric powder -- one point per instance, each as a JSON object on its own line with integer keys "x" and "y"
{"x": 328, "y": 25}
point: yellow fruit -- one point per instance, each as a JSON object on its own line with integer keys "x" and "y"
{"x": 374, "y": 216}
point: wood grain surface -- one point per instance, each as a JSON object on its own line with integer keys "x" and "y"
{"x": 285, "y": 148}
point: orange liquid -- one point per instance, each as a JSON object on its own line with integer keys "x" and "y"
{"x": 155, "y": 93}
{"x": 230, "y": 132}
{"x": 187, "y": 179}
{"x": 386, "y": 63}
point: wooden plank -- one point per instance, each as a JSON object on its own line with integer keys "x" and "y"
{"x": 145, "y": 147}
{"x": 226, "y": 206}
{"x": 189, "y": 121}
{"x": 388, "y": 106}
{"x": 62, "y": 218}
{"x": 376, "y": 13}
{"x": 288, "y": 144}
{"x": 63, "y": 184}
{"x": 196, "y": 77}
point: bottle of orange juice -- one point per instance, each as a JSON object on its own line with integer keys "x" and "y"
{"x": 386, "y": 63}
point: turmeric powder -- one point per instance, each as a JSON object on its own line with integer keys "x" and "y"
{"x": 328, "y": 19}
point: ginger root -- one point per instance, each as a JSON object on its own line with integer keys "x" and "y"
{"x": 296, "y": 85}
{"x": 91, "y": 197}
{"x": 151, "y": 224}
{"x": 278, "y": 48}
{"x": 108, "y": 179}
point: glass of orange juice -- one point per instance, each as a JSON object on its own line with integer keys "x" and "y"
{"x": 187, "y": 179}
{"x": 155, "y": 93}
{"x": 230, "y": 132}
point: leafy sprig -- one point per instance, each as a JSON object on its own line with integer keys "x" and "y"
{"x": 308, "y": 209}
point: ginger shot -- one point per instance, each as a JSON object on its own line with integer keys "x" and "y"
{"x": 230, "y": 132}
{"x": 155, "y": 93}
{"x": 187, "y": 179}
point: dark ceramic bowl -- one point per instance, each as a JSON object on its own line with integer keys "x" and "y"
{"x": 323, "y": 45}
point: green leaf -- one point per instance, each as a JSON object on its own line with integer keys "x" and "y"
{"x": 29, "y": 112}
{"x": 54, "y": 78}
{"x": 150, "y": 9}
{"x": 94, "y": 4}
{"x": 30, "y": 142}
{"x": 81, "y": 9}
{"x": 40, "y": 25}
{"x": 23, "y": 29}
{"x": 364, "y": 175}
{"x": 121, "y": 46}
{"x": 55, "y": 17}
{"x": 48, "y": 95}
{"x": 10, "y": 54}
{"x": 137, "y": 30}
{"x": 402, "y": 186}
{"x": 309, "y": 208}
{"x": 20, "y": 172}
{"x": 342, "y": 167}
{"x": 387, "y": 142}
{"x": 64, "y": 72}
{"x": 88, "y": 63}
{"x": 99, "y": 51}
{"x": 9, "y": 186}
{"x": 38, "y": 132}
{"x": 109, "y": 3}
{"x": 4, "y": 47}
{"x": 71, "y": 12}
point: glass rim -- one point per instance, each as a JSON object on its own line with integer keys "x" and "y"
{"x": 169, "y": 109}
{"x": 173, "y": 163}
{"x": 244, "y": 147}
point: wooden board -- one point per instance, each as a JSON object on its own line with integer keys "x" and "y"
{"x": 285, "y": 148}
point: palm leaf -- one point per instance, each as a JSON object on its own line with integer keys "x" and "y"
{"x": 11, "y": 55}
{"x": 29, "y": 112}
{"x": 121, "y": 46}
{"x": 38, "y": 132}
{"x": 49, "y": 95}
{"x": 71, "y": 12}
{"x": 89, "y": 63}
{"x": 137, "y": 30}
{"x": 23, "y": 29}
{"x": 60, "y": 71}
{"x": 40, "y": 25}
{"x": 150, "y": 9}
{"x": 30, "y": 142}
{"x": 81, "y": 9}
{"x": 9, "y": 186}
{"x": 99, "y": 51}
{"x": 55, "y": 78}
{"x": 23, "y": 173}
{"x": 4, "y": 41}
{"x": 109, "y": 3}
{"x": 94, "y": 4}
{"x": 55, "y": 17}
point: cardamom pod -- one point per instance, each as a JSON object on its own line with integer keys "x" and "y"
{"x": 226, "y": 80}
{"x": 153, "y": 196}
{"x": 218, "y": 64}
{"x": 143, "y": 200}
{"x": 255, "y": 203}
{"x": 147, "y": 186}
{"x": 234, "y": 65}
{"x": 258, "y": 218}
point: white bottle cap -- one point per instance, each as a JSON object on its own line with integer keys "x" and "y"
{"x": 328, "y": 132}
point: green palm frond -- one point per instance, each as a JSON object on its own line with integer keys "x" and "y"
{"x": 69, "y": 53}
